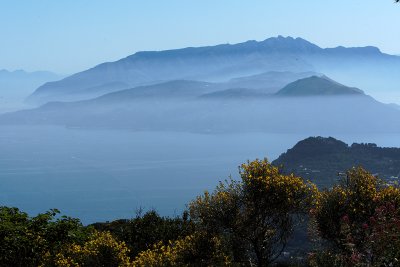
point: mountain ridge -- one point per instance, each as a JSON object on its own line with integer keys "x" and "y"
{"x": 211, "y": 63}
{"x": 190, "y": 106}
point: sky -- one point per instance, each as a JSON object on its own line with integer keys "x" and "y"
{"x": 67, "y": 36}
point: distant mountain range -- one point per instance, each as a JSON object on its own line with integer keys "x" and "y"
{"x": 310, "y": 86}
{"x": 364, "y": 67}
{"x": 22, "y": 83}
{"x": 315, "y": 104}
{"x": 323, "y": 159}
{"x": 15, "y": 86}
{"x": 276, "y": 85}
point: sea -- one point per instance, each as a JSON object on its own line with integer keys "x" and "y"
{"x": 103, "y": 175}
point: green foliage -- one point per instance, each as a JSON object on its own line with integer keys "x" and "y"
{"x": 143, "y": 231}
{"x": 31, "y": 241}
{"x": 255, "y": 217}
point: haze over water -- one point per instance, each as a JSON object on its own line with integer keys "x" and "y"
{"x": 100, "y": 175}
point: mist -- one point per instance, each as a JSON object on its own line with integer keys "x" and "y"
{"x": 319, "y": 115}
{"x": 102, "y": 159}
{"x": 100, "y": 175}
{"x": 15, "y": 86}
{"x": 155, "y": 129}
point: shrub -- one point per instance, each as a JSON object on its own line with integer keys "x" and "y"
{"x": 32, "y": 241}
{"x": 360, "y": 218}
{"x": 197, "y": 249}
{"x": 143, "y": 231}
{"x": 256, "y": 215}
{"x": 102, "y": 249}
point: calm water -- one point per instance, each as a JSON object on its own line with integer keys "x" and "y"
{"x": 100, "y": 175}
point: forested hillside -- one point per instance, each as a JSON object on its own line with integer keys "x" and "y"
{"x": 323, "y": 159}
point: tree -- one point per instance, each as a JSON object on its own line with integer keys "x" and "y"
{"x": 360, "y": 219}
{"x": 33, "y": 241}
{"x": 352, "y": 200}
{"x": 255, "y": 217}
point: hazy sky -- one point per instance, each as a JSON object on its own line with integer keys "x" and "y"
{"x": 67, "y": 36}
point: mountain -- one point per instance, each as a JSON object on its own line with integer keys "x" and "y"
{"x": 254, "y": 86}
{"x": 257, "y": 85}
{"x": 317, "y": 86}
{"x": 225, "y": 62}
{"x": 179, "y": 89}
{"x": 20, "y": 82}
{"x": 268, "y": 82}
{"x": 322, "y": 159}
{"x": 15, "y": 82}
{"x": 193, "y": 106}
{"x": 15, "y": 86}
{"x": 311, "y": 86}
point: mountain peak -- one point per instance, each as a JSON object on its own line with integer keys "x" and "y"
{"x": 317, "y": 86}
{"x": 321, "y": 142}
{"x": 290, "y": 44}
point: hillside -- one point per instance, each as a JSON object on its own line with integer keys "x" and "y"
{"x": 268, "y": 82}
{"x": 317, "y": 86}
{"x": 322, "y": 159}
{"x": 179, "y": 89}
{"x": 193, "y": 106}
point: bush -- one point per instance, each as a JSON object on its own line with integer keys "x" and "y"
{"x": 360, "y": 219}
{"x": 255, "y": 216}
{"x": 198, "y": 249}
{"x": 102, "y": 249}
{"x": 143, "y": 231}
{"x": 32, "y": 241}
{"x": 352, "y": 202}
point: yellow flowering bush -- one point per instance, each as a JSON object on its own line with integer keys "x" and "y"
{"x": 191, "y": 250}
{"x": 344, "y": 208}
{"x": 255, "y": 216}
{"x": 352, "y": 202}
{"x": 100, "y": 250}
{"x": 265, "y": 182}
{"x": 354, "y": 217}
{"x": 224, "y": 202}
{"x": 389, "y": 194}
